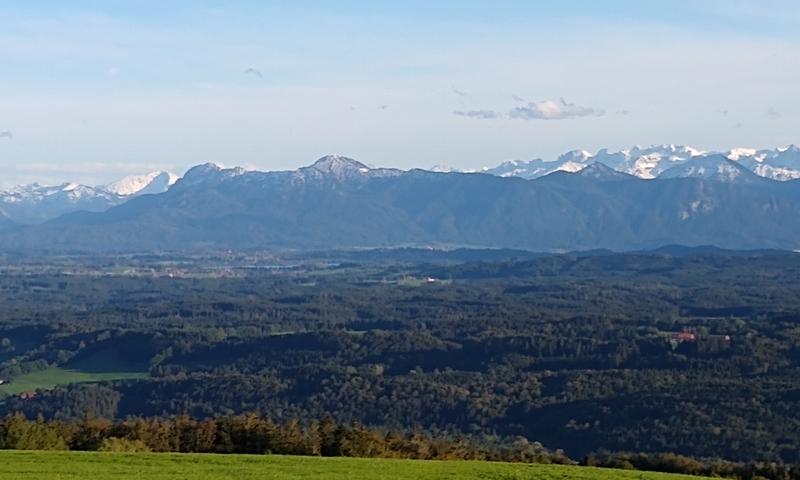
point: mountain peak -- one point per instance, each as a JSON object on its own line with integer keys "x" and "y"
{"x": 209, "y": 172}
{"x": 601, "y": 171}
{"x": 715, "y": 167}
{"x": 790, "y": 149}
{"x": 337, "y": 164}
{"x": 439, "y": 168}
{"x": 203, "y": 168}
{"x": 576, "y": 156}
{"x": 341, "y": 168}
{"x": 153, "y": 182}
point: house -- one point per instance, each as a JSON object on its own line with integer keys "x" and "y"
{"x": 27, "y": 395}
{"x": 681, "y": 337}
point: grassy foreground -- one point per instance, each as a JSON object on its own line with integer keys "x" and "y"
{"x": 17, "y": 465}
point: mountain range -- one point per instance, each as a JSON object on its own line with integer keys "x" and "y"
{"x": 648, "y": 163}
{"x": 340, "y": 203}
{"x": 35, "y": 203}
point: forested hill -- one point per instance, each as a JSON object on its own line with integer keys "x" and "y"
{"x": 696, "y": 354}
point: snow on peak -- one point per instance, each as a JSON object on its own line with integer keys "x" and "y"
{"x": 789, "y": 148}
{"x": 153, "y": 182}
{"x": 650, "y": 162}
{"x": 337, "y": 164}
{"x": 737, "y": 153}
{"x": 438, "y": 168}
{"x": 716, "y": 167}
{"x": 209, "y": 172}
{"x": 575, "y": 156}
{"x": 36, "y": 203}
{"x": 342, "y": 168}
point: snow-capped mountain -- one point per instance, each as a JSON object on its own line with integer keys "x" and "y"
{"x": 439, "y": 168}
{"x": 338, "y": 202}
{"x": 207, "y": 173}
{"x": 153, "y": 182}
{"x": 330, "y": 168}
{"x": 36, "y": 203}
{"x": 341, "y": 168}
{"x": 778, "y": 164}
{"x": 712, "y": 167}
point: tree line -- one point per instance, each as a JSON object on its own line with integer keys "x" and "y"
{"x": 255, "y": 434}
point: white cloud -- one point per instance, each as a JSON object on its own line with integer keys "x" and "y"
{"x": 553, "y": 110}
{"x": 544, "y": 110}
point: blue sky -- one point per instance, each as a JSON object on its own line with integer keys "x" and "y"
{"x": 93, "y": 90}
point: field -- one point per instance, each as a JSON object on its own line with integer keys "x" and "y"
{"x": 102, "y": 366}
{"x": 16, "y": 465}
{"x": 49, "y": 378}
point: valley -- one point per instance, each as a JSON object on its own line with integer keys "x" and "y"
{"x": 647, "y": 351}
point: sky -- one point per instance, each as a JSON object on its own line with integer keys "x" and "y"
{"x": 91, "y": 91}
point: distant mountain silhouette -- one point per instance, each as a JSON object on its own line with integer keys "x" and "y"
{"x": 341, "y": 203}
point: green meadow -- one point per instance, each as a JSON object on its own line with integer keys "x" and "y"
{"x": 51, "y": 377}
{"x": 101, "y": 366}
{"x": 18, "y": 465}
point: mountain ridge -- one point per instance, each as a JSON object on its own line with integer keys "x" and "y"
{"x": 342, "y": 203}
{"x": 782, "y": 163}
{"x": 35, "y": 203}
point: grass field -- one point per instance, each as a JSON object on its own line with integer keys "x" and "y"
{"x": 49, "y": 378}
{"x": 102, "y": 366}
{"x": 16, "y": 465}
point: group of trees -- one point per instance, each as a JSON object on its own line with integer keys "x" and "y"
{"x": 252, "y": 434}
{"x": 671, "y": 463}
